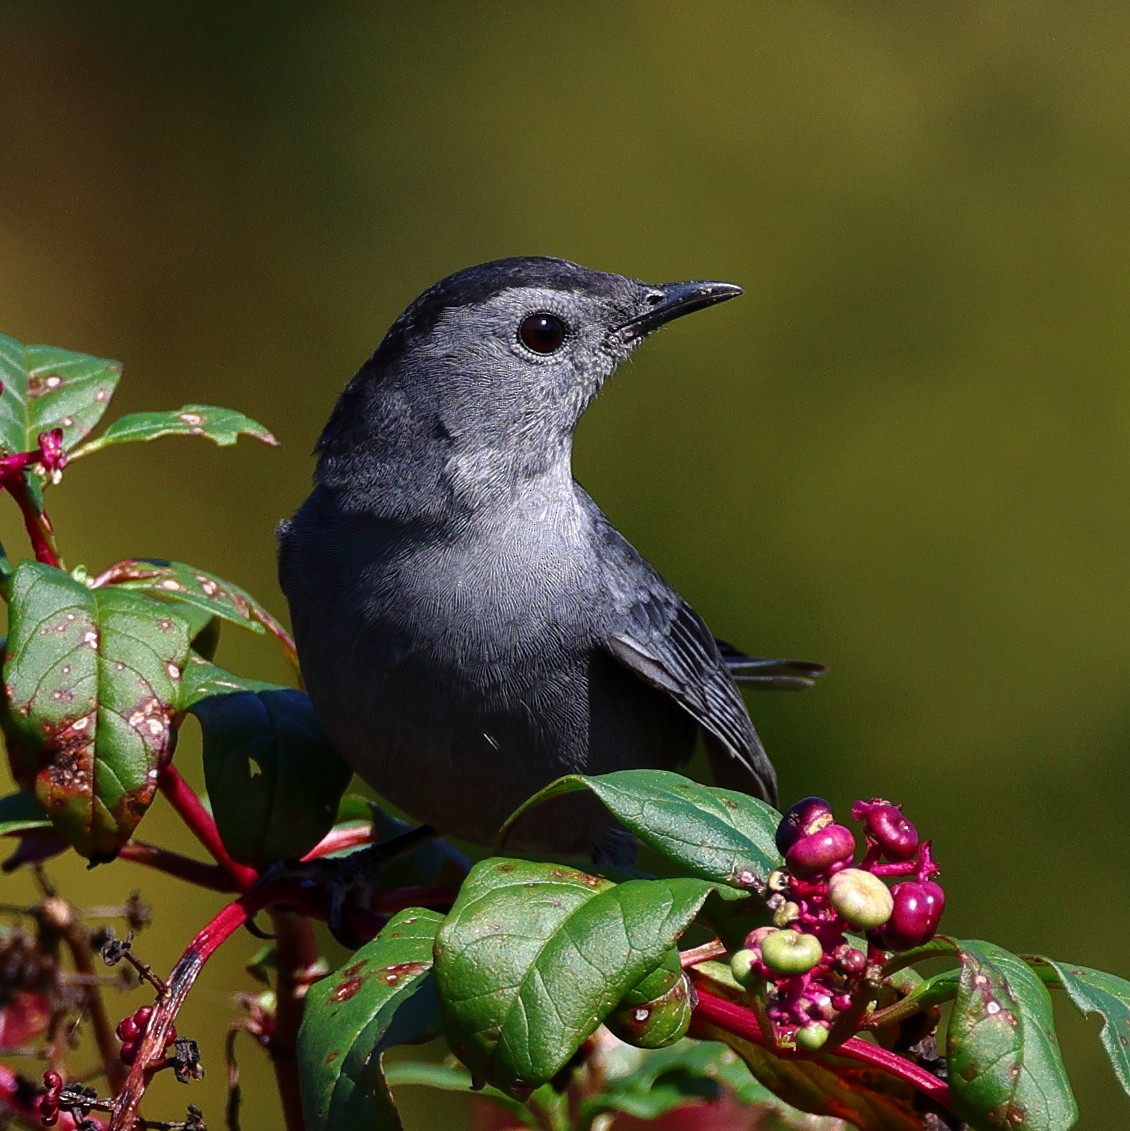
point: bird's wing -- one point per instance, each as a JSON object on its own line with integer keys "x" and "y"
{"x": 769, "y": 675}
{"x": 654, "y": 633}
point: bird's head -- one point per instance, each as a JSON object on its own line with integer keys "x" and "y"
{"x": 499, "y": 361}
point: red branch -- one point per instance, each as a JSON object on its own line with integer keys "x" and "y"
{"x": 36, "y": 522}
{"x": 210, "y": 876}
{"x": 151, "y": 1052}
{"x": 741, "y": 1022}
{"x": 200, "y": 822}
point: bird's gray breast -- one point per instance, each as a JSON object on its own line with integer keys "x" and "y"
{"x": 449, "y": 665}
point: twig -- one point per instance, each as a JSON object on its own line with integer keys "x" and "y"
{"x": 36, "y": 522}
{"x": 740, "y": 1021}
{"x": 203, "y": 827}
{"x": 210, "y": 876}
{"x": 297, "y": 968}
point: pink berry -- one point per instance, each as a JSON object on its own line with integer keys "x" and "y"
{"x": 806, "y": 816}
{"x": 818, "y": 851}
{"x": 918, "y": 907}
{"x": 892, "y": 832}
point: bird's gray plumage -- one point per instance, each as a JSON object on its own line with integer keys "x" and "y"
{"x": 469, "y": 624}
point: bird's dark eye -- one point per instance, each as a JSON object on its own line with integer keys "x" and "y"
{"x": 542, "y": 333}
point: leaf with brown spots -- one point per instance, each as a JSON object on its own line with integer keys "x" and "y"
{"x": 713, "y": 833}
{"x": 223, "y": 426}
{"x": 1095, "y": 991}
{"x": 383, "y": 996}
{"x": 1005, "y": 1068}
{"x": 92, "y": 679}
{"x": 185, "y": 584}
{"x": 46, "y": 387}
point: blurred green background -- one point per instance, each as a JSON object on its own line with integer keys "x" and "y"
{"x": 904, "y": 452}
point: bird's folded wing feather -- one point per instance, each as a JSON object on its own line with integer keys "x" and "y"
{"x": 659, "y": 637}
{"x": 769, "y": 675}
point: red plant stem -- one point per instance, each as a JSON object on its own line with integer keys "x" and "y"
{"x": 737, "y": 1019}
{"x": 704, "y": 953}
{"x": 151, "y": 1053}
{"x": 339, "y": 838}
{"x": 210, "y": 876}
{"x": 298, "y": 966}
{"x": 192, "y": 812}
{"x": 36, "y": 522}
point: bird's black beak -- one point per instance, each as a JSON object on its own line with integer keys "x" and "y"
{"x": 672, "y": 300}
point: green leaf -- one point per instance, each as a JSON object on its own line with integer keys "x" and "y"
{"x": 222, "y": 425}
{"x": 1005, "y": 1069}
{"x": 717, "y": 834}
{"x": 384, "y": 996}
{"x": 534, "y": 956}
{"x": 175, "y": 581}
{"x": 20, "y": 812}
{"x": 92, "y": 680}
{"x": 273, "y": 777}
{"x": 1095, "y": 991}
{"x": 46, "y": 387}
{"x": 203, "y": 679}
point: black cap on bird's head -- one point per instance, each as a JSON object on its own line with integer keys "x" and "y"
{"x": 503, "y": 357}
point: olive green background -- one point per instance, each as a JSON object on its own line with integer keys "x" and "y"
{"x": 904, "y": 451}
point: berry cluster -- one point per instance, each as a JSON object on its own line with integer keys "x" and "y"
{"x": 132, "y": 1029}
{"x": 813, "y": 973}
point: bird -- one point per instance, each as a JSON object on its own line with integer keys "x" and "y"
{"x": 469, "y": 624}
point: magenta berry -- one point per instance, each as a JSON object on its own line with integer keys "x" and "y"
{"x": 818, "y": 851}
{"x": 849, "y": 961}
{"x": 896, "y": 837}
{"x": 918, "y": 907}
{"x": 806, "y": 816}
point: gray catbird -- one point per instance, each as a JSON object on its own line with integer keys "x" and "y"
{"x": 470, "y": 626}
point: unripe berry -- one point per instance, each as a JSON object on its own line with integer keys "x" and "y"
{"x": 790, "y": 952}
{"x": 806, "y": 816}
{"x": 892, "y": 832}
{"x": 816, "y": 852}
{"x": 918, "y": 907}
{"x": 747, "y": 967}
{"x": 861, "y": 898}
{"x": 812, "y": 1037}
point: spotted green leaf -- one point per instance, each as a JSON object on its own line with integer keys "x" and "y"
{"x": 1095, "y": 991}
{"x": 46, "y": 387}
{"x": 383, "y": 996}
{"x": 1005, "y": 1068}
{"x": 188, "y": 585}
{"x": 92, "y": 679}
{"x": 222, "y": 425}
{"x": 204, "y": 679}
